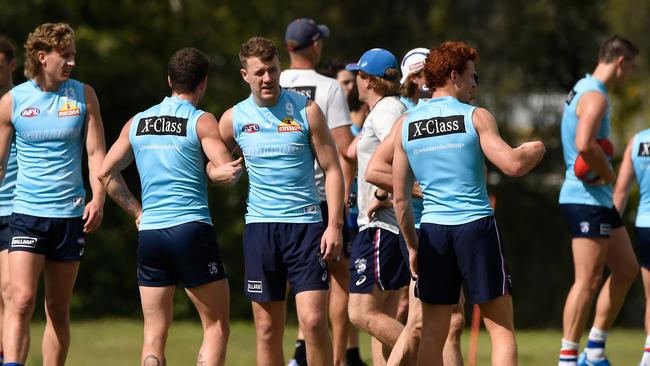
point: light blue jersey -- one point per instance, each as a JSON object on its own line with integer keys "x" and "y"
{"x": 641, "y": 163}
{"x": 9, "y": 183}
{"x": 49, "y": 139}
{"x": 575, "y": 191}
{"x": 279, "y": 160}
{"x": 171, "y": 165}
{"x": 416, "y": 203}
{"x": 445, "y": 155}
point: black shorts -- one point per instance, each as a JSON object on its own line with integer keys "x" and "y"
{"x": 643, "y": 246}
{"x": 376, "y": 260}
{"x": 450, "y": 255}
{"x": 275, "y": 253}
{"x": 58, "y": 239}
{"x": 188, "y": 253}
{"x": 5, "y": 233}
{"x": 588, "y": 221}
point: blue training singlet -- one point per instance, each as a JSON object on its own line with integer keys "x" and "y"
{"x": 49, "y": 138}
{"x": 445, "y": 155}
{"x": 279, "y": 160}
{"x": 9, "y": 183}
{"x": 641, "y": 163}
{"x": 575, "y": 191}
{"x": 171, "y": 165}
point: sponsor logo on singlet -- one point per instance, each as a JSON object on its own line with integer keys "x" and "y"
{"x": 436, "y": 126}
{"x": 644, "y": 149}
{"x": 250, "y": 128}
{"x": 570, "y": 97}
{"x": 289, "y": 124}
{"x": 69, "y": 109}
{"x": 162, "y": 125}
{"x": 307, "y": 91}
{"x": 30, "y": 112}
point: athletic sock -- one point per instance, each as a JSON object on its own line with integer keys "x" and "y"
{"x": 568, "y": 353}
{"x": 300, "y": 353}
{"x": 353, "y": 358}
{"x": 595, "y": 349}
{"x": 645, "y": 360}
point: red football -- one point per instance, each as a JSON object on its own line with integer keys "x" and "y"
{"x": 582, "y": 170}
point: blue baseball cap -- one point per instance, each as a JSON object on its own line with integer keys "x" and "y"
{"x": 375, "y": 62}
{"x": 302, "y": 32}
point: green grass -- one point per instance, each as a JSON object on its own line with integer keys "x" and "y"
{"x": 118, "y": 342}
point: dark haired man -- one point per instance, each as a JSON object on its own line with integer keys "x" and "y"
{"x": 280, "y": 133}
{"x": 598, "y": 234}
{"x": 176, "y": 239}
{"x": 443, "y": 146}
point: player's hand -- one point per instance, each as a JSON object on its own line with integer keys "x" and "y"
{"x": 376, "y": 205}
{"x": 331, "y": 243}
{"x": 413, "y": 263}
{"x": 138, "y": 218}
{"x": 609, "y": 179}
{"x": 417, "y": 191}
{"x": 93, "y": 215}
{"x": 227, "y": 174}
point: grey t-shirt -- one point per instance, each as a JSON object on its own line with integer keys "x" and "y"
{"x": 375, "y": 129}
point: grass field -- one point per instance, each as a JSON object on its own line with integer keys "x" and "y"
{"x": 117, "y": 342}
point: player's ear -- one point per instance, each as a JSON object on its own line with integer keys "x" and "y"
{"x": 244, "y": 74}
{"x": 169, "y": 81}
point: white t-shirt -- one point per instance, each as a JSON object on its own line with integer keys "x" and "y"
{"x": 327, "y": 93}
{"x": 375, "y": 129}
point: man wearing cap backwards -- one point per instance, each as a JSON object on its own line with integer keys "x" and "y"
{"x": 442, "y": 146}
{"x": 279, "y": 134}
{"x": 304, "y": 40}
{"x": 598, "y": 234}
{"x": 379, "y": 173}
{"x": 377, "y": 268}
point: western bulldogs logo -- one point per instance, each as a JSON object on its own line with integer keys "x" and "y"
{"x": 584, "y": 227}
{"x": 213, "y": 268}
{"x": 360, "y": 265}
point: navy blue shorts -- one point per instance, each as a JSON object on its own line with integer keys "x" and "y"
{"x": 404, "y": 249}
{"x": 643, "y": 246}
{"x": 452, "y": 255}
{"x": 347, "y": 238}
{"x": 58, "y": 239}
{"x": 376, "y": 260}
{"x": 275, "y": 253}
{"x": 588, "y": 221}
{"x": 5, "y": 233}
{"x": 188, "y": 253}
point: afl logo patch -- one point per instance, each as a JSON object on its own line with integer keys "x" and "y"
{"x": 30, "y": 112}
{"x": 250, "y": 128}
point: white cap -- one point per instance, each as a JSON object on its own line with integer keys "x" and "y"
{"x": 413, "y": 62}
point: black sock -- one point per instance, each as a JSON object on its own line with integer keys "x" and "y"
{"x": 300, "y": 353}
{"x": 352, "y": 357}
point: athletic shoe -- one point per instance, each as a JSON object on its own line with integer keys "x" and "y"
{"x": 583, "y": 361}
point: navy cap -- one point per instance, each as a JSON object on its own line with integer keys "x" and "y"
{"x": 375, "y": 62}
{"x": 302, "y": 32}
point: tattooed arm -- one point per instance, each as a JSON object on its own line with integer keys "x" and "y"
{"x": 117, "y": 159}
